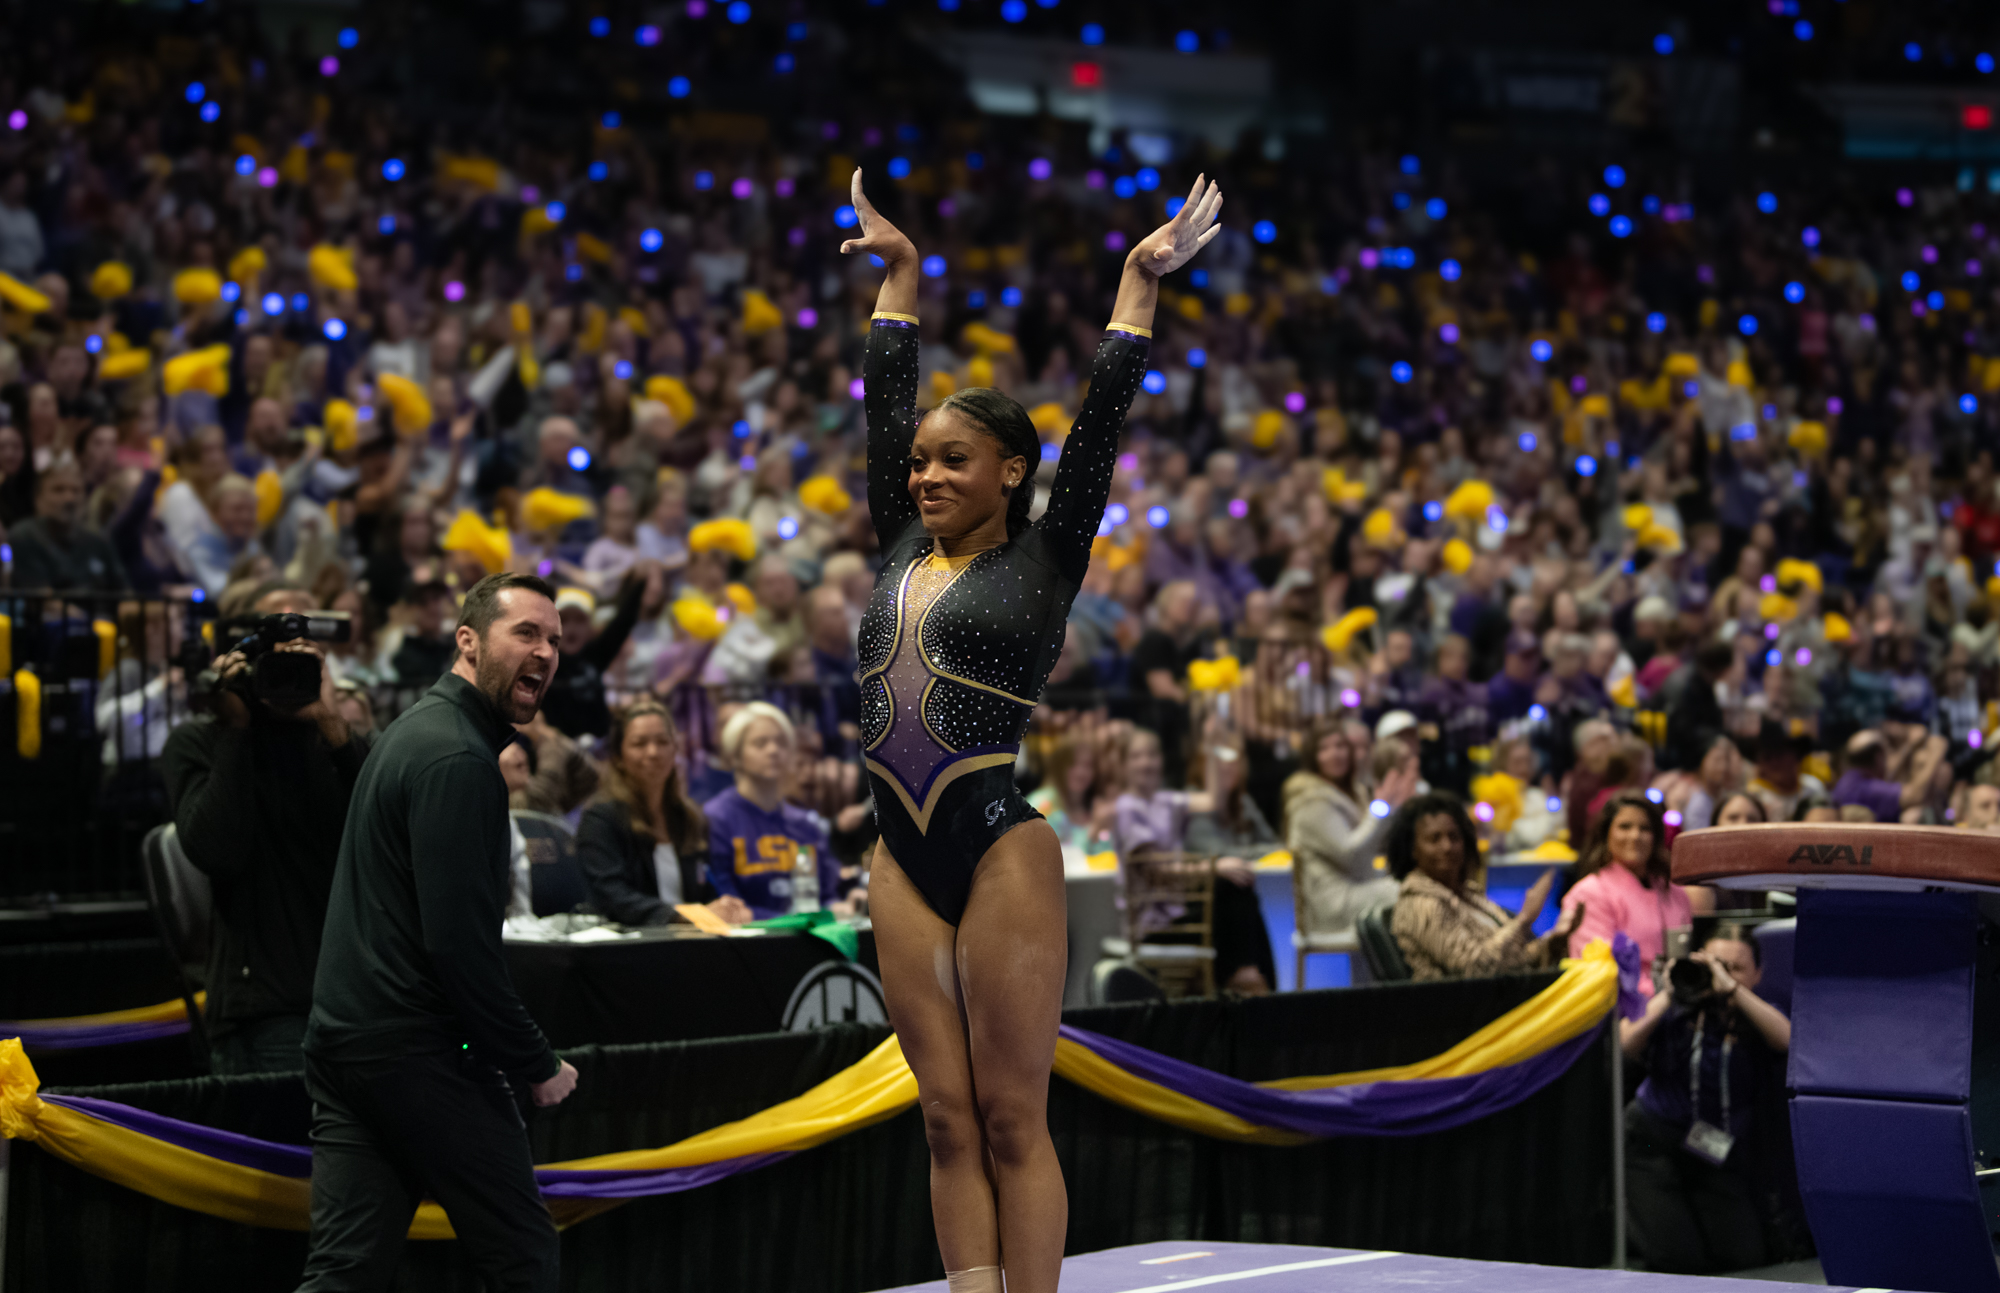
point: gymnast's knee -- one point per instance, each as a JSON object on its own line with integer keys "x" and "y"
{"x": 951, "y": 1128}
{"x": 1015, "y": 1126}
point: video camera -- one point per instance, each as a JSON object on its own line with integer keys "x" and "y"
{"x": 287, "y": 681}
{"x": 1691, "y": 982}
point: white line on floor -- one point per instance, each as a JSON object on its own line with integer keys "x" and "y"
{"x": 1263, "y": 1270}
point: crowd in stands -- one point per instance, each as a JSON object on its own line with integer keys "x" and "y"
{"x": 1440, "y": 483}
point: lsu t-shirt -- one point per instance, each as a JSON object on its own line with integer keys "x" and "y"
{"x": 752, "y": 852}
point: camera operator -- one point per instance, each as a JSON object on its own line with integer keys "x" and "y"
{"x": 1709, "y": 1044}
{"x": 259, "y": 798}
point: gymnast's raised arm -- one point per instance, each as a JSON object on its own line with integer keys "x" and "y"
{"x": 889, "y": 372}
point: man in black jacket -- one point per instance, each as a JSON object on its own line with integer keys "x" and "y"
{"x": 259, "y": 798}
{"x": 415, "y": 1026}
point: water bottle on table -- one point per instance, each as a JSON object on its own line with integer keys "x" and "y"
{"x": 805, "y": 881}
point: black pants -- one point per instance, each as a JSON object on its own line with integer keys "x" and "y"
{"x": 1240, "y": 936}
{"x": 1688, "y": 1216}
{"x": 386, "y": 1134}
{"x": 267, "y": 1045}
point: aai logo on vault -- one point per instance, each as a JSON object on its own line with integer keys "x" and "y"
{"x": 1831, "y": 855}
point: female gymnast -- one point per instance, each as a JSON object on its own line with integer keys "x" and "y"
{"x": 966, "y": 621}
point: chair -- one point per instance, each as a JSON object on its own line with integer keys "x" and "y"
{"x": 1306, "y": 942}
{"x": 556, "y": 875}
{"x": 1170, "y": 920}
{"x": 183, "y": 907}
{"x": 1372, "y": 928}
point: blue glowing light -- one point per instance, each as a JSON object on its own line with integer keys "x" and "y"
{"x": 1410, "y": 164}
{"x": 1541, "y": 351}
{"x": 678, "y": 87}
{"x": 795, "y": 31}
{"x": 1656, "y": 322}
{"x": 1984, "y": 62}
{"x": 1614, "y": 177}
{"x": 1968, "y": 404}
{"x": 899, "y": 168}
{"x": 741, "y": 429}
{"x": 1496, "y": 520}
{"x": 648, "y": 35}
{"x": 301, "y": 303}
{"x": 1197, "y": 358}
{"x": 846, "y": 217}
{"x": 1600, "y": 206}
{"x": 1264, "y": 231}
{"x": 211, "y": 111}
{"x": 1621, "y": 226}
{"x": 93, "y": 343}
{"x": 1747, "y": 325}
{"x": 1809, "y": 236}
{"x": 1910, "y": 280}
{"x": 1401, "y": 372}
{"x": 651, "y": 240}
{"x": 1650, "y": 204}
{"x": 1913, "y": 52}
{"x": 1380, "y": 807}
{"x": 1435, "y": 208}
{"x": 1527, "y": 442}
{"x": 1538, "y": 714}
{"x": 386, "y": 225}
{"x": 784, "y": 63}
{"x": 334, "y": 329}
{"x": 231, "y": 292}
{"x": 1434, "y": 511}
{"x": 1155, "y": 381}
{"x": 1743, "y": 431}
{"x": 196, "y": 92}
{"x": 1400, "y": 200}
{"x": 1767, "y": 202}
{"x": 600, "y": 27}
{"x": 975, "y": 299}
{"x": 1802, "y": 29}
{"x": 573, "y": 272}
{"x": 1147, "y": 179}
{"x": 1157, "y": 516}
{"x": 1450, "y": 270}
{"x": 1125, "y": 187}
{"x": 555, "y": 211}
{"x": 1187, "y": 42}
{"x": 1014, "y": 10}
{"x": 349, "y": 38}
{"x": 1795, "y": 292}
{"x": 393, "y": 169}
{"x": 788, "y": 527}
{"x": 1198, "y": 278}
{"x": 1092, "y": 33}
{"x": 1010, "y": 296}
{"x": 1174, "y": 205}
{"x": 1586, "y": 465}
{"x": 1051, "y": 451}
{"x": 246, "y": 165}
{"x": 1117, "y": 514}
{"x": 597, "y": 172}
{"x": 622, "y": 370}
{"x": 933, "y": 266}
{"x": 739, "y": 12}
{"x": 1772, "y": 659}
{"x": 1663, "y": 44}
{"x": 1935, "y": 300}
{"x": 579, "y": 458}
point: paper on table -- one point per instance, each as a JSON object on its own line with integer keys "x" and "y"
{"x": 598, "y": 934}
{"x": 702, "y": 918}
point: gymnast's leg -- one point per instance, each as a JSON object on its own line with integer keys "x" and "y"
{"x": 1013, "y": 954}
{"x": 916, "y": 950}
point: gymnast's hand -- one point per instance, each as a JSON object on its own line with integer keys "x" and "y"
{"x": 1174, "y": 243}
{"x": 878, "y": 236}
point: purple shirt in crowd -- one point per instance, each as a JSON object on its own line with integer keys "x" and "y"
{"x": 1883, "y": 798}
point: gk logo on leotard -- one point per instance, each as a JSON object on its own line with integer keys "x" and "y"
{"x": 994, "y": 809}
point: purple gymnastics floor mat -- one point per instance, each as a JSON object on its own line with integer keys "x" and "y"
{"x": 1286, "y": 1268}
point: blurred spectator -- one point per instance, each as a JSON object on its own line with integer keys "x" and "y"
{"x": 1779, "y": 784}
{"x": 1718, "y": 775}
{"x": 1159, "y": 670}
{"x": 759, "y": 845}
{"x": 1866, "y": 783}
{"x": 53, "y": 550}
{"x": 575, "y": 704}
{"x": 1069, "y": 796}
{"x": 642, "y": 843}
{"x": 1335, "y": 833}
{"x": 428, "y": 648}
{"x": 1446, "y": 928}
{"x": 1625, "y": 883}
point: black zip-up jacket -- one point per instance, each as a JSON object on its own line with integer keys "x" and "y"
{"x": 411, "y": 961}
{"x": 259, "y": 811}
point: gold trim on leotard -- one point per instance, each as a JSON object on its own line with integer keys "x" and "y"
{"x": 1120, "y": 327}
{"x": 922, "y": 815}
{"x": 905, "y": 318}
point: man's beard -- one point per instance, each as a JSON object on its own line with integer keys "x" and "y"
{"x": 496, "y": 683}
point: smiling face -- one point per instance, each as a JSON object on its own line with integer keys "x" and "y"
{"x": 1438, "y": 851}
{"x": 958, "y": 475}
{"x": 1631, "y": 839}
{"x": 1143, "y": 764}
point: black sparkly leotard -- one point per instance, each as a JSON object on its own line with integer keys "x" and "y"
{"x": 953, "y": 654}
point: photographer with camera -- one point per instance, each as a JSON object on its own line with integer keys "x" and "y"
{"x": 259, "y": 786}
{"x": 1710, "y": 1045}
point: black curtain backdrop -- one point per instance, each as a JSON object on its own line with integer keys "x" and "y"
{"x": 1530, "y": 1184}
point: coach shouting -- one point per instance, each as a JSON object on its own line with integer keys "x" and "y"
{"x": 415, "y": 1027}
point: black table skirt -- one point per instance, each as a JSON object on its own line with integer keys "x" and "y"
{"x": 664, "y": 989}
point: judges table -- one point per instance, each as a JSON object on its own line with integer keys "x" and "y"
{"x": 1888, "y": 1104}
{"x": 665, "y": 984}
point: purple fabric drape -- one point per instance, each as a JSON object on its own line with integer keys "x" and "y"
{"x": 1410, "y": 1107}
{"x": 1631, "y": 1001}
{"x": 43, "y": 1037}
